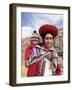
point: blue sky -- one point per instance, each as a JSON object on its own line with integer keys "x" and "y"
{"x": 32, "y": 21}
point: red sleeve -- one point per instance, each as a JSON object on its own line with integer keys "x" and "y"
{"x": 58, "y": 70}
{"x": 28, "y": 52}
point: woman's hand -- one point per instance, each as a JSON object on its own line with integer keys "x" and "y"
{"x": 48, "y": 54}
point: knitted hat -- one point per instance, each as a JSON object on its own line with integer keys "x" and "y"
{"x": 34, "y": 36}
{"x": 44, "y": 29}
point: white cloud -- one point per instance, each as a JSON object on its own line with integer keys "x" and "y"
{"x": 40, "y": 19}
{"x": 26, "y": 31}
{"x": 53, "y": 17}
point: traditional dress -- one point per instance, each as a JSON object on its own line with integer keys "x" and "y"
{"x": 41, "y": 65}
{"x": 28, "y": 51}
{"x": 34, "y": 69}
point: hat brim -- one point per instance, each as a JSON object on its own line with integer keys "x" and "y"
{"x": 48, "y": 29}
{"x": 34, "y": 38}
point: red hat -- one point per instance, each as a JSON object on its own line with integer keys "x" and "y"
{"x": 44, "y": 29}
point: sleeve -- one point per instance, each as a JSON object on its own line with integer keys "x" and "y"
{"x": 58, "y": 63}
{"x": 54, "y": 54}
{"x": 35, "y": 52}
{"x": 54, "y": 61}
{"x": 27, "y": 53}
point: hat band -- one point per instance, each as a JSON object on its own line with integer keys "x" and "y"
{"x": 34, "y": 38}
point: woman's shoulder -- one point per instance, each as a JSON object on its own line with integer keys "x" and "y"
{"x": 39, "y": 47}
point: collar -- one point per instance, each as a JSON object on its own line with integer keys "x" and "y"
{"x": 43, "y": 48}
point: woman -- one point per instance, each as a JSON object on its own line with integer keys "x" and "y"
{"x": 45, "y": 57}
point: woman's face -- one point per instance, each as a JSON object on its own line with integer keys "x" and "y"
{"x": 48, "y": 40}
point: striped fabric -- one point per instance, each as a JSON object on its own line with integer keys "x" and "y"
{"x": 38, "y": 51}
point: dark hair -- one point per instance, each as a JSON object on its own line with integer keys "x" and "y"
{"x": 45, "y": 35}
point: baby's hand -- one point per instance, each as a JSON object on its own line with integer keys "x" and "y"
{"x": 27, "y": 63}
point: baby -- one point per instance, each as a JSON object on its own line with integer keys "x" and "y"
{"x": 34, "y": 41}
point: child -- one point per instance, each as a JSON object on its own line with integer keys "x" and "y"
{"x": 34, "y": 41}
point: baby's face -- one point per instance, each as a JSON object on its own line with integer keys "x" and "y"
{"x": 35, "y": 42}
